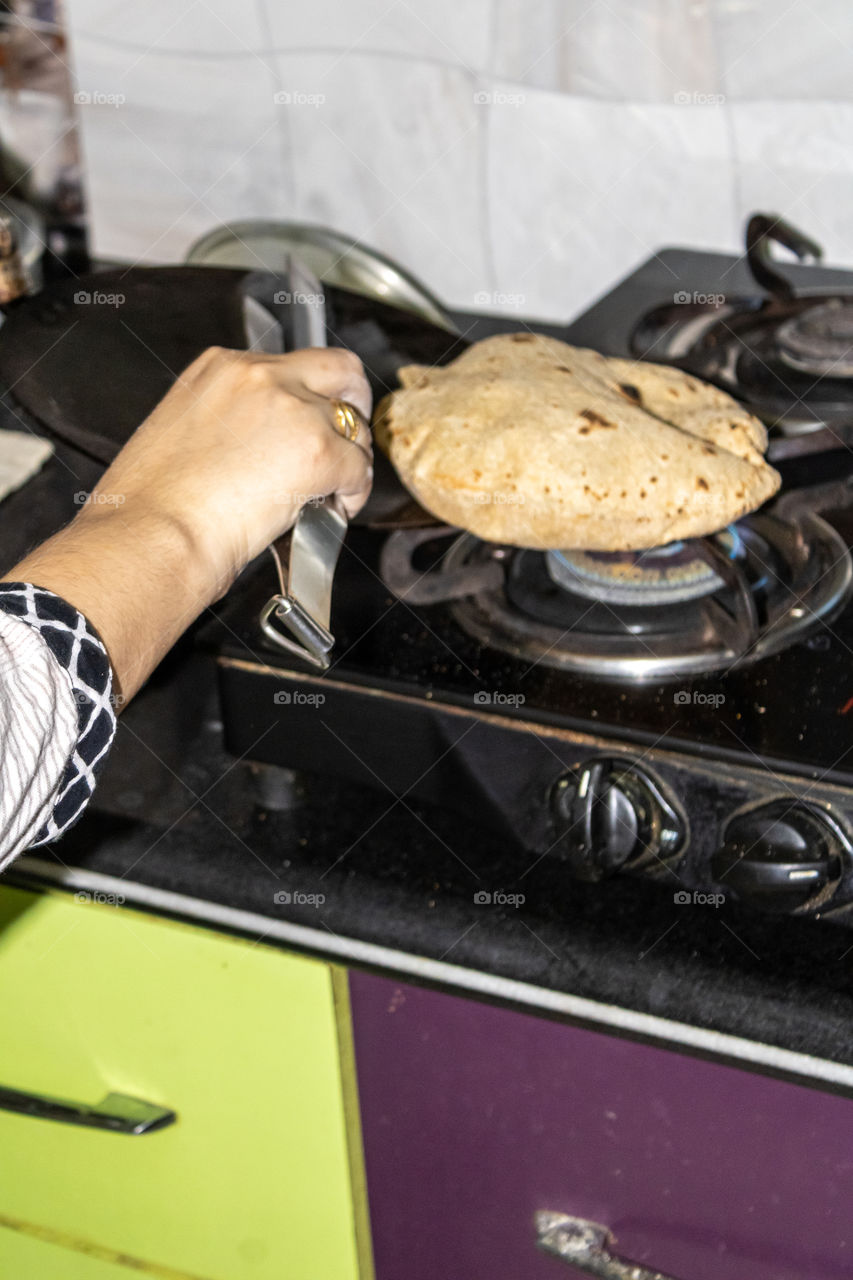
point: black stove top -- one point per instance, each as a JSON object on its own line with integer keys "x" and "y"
{"x": 777, "y": 338}
{"x": 419, "y": 700}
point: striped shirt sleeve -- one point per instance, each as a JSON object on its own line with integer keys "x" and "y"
{"x": 56, "y": 716}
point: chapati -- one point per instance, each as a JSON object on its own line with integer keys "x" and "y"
{"x": 527, "y": 440}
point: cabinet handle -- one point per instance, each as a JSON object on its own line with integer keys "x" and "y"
{"x": 586, "y": 1245}
{"x": 116, "y": 1113}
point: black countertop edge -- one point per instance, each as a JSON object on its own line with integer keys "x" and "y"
{"x": 33, "y": 872}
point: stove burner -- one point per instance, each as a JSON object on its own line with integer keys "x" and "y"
{"x": 787, "y": 357}
{"x": 775, "y": 580}
{"x": 663, "y": 575}
{"x": 820, "y": 340}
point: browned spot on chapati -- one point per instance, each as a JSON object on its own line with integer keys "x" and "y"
{"x": 653, "y": 480}
{"x": 522, "y": 337}
{"x": 596, "y": 419}
{"x": 709, "y": 448}
{"x": 701, "y": 483}
{"x": 630, "y": 392}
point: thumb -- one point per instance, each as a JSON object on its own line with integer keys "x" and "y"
{"x": 352, "y": 468}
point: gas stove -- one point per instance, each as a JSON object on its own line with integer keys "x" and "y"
{"x": 682, "y": 714}
{"x": 690, "y": 608}
{"x": 786, "y": 353}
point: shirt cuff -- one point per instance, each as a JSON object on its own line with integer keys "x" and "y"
{"x": 78, "y": 648}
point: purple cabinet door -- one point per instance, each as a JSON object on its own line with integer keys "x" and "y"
{"x": 475, "y": 1117}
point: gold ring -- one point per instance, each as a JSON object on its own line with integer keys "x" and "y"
{"x": 347, "y": 419}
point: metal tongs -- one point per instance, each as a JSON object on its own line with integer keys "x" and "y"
{"x": 297, "y": 617}
{"x": 304, "y": 601}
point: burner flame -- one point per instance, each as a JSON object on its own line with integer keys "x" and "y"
{"x": 670, "y": 574}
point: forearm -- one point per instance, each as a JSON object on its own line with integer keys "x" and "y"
{"x": 136, "y": 575}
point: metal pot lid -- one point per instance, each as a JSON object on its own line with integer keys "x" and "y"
{"x": 263, "y": 245}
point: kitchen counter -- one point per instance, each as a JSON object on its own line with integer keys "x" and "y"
{"x": 177, "y": 825}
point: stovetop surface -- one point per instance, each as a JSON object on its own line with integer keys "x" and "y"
{"x": 793, "y": 710}
{"x": 175, "y": 811}
{"x": 608, "y": 324}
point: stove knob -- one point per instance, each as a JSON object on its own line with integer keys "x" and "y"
{"x": 619, "y": 819}
{"x": 780, "y": 856}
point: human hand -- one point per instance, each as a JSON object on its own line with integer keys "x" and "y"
{"x": 236, "y": 448}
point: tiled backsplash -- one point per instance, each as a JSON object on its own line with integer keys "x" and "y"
{"x": 515, "y": 155}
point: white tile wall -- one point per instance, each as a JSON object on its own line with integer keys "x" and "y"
{"x": 402, "y": 171}
{"x": 452, "y": 32}
{"x": 527, "y": 152}
{"x": 595, "y": 173}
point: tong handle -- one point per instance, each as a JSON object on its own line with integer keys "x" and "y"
{"x": 308, "y": 640}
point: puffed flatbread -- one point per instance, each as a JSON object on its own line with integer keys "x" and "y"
{"x": 526, "y": 440}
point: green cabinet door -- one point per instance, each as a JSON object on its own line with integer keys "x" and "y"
{"x": 241, "y": 1041}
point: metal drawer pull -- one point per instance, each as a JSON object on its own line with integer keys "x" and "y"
{"x": 586, "y": 1246}
{"x": 117, "y": 1113}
